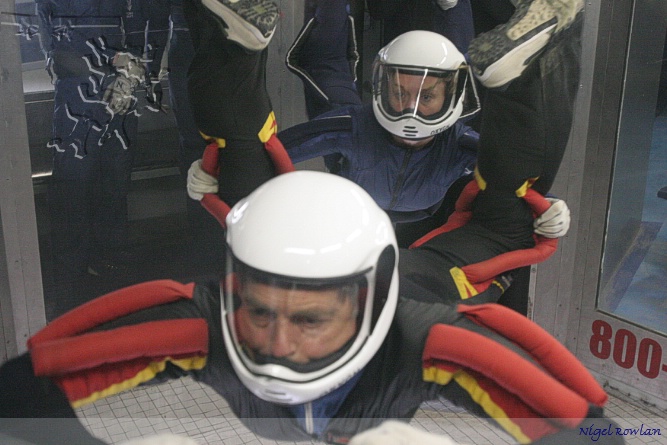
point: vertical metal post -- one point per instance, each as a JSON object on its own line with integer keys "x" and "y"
{"x": 21, "y": 293}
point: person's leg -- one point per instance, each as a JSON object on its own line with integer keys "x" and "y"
{"x": 181, "y": 52}
{"x": 500, "y": 55}
{"x": 207, "y": 238}
{"x": 249, "y": 23}
{"x": 405, "y": 17}
{"x": 324, "y": 57}
{"x": 487, "y": 14}
{"x": 230, "y": 103}
{"x": 525, "y": 128}
{"x": 524, "y": 133}
{"x": 72, "y": 182}
{"x": 114, "y": 171}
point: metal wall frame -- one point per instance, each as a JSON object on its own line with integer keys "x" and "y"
{"x": 21, "y": 294}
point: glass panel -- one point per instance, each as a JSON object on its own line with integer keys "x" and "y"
{"x": 109, "y": 187}
{"x": 633, "y": 284}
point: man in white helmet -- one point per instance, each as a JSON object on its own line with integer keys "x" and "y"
{"x": 310, "y": 333}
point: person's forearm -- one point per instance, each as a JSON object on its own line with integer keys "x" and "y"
{"x": 35, "y": 410}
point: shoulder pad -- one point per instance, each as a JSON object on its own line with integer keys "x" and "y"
{"x": 91, "y": 365}
{"x": 528, "y": 400}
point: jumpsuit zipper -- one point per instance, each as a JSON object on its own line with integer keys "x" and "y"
{"x": 308, "y": 418}
{"x": 400, "y": 179}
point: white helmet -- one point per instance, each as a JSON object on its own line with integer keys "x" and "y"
{"x": 421, "y": 85}
{"x": 319, "y": 235}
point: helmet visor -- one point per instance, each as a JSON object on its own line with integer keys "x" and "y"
{"x": 304, "y": 325}
{"x": 421, "y": 93}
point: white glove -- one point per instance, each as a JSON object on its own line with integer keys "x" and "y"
{"x": 161, "y": 439}
{"x": 200, "y": 182}
{"x": 393, "y": 432}
{"x": 446, "y": 4}
{"x": 555, "y": 222}
{"x": 130, "y": 72}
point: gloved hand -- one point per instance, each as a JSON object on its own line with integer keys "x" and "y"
{"x": 393, "y": 432}
{"x": 200, "y": 182}
{"x": 130, "y": 72}
{"x": 446, "y": 4}
{"x": 161, "y": 439}
{"x": 555, "y": 222}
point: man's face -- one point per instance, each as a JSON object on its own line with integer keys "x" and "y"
{"x": 406, "y": 89}
{"x": 294, "y": 324}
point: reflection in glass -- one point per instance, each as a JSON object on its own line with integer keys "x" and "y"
{"x": 633, "y": 282}
{"x": 79, "y": 149}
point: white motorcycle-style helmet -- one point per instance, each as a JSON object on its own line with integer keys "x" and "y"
{"x": 422, "y": 85}
{"x": 314, "y": 234}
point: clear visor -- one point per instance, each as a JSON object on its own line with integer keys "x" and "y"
{"x": 420, "y": 93}
{"x": 304, "y": 325}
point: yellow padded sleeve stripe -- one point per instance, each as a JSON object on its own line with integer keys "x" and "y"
{"x": 143, "y": 376}
{"x": 437, "y": 375}
{"x": 479, "y": 395}
{"x": 483, "y": 399}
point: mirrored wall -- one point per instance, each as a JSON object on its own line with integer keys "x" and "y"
{"x": 109, "y": 187}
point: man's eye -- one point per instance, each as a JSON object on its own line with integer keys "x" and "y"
{"x": 260, "y": 315}
{"x": 307, "y": 322}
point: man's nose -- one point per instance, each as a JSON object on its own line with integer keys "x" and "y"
{"x": 284, "y": 339}
{"x": 409, "y": 104}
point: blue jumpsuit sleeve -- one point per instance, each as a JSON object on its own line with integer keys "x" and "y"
{"x": 469, "y": 139}
{"x": 318, "y": 137}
